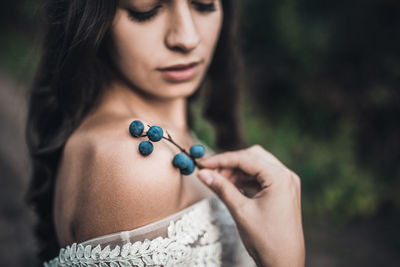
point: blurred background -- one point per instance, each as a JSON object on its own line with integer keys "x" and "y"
{"x": 321, "y": 94}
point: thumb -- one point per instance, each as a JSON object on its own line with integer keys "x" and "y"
{"x": 224, "y": 189}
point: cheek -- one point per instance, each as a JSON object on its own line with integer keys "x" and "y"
{"x": 135, "y": 47}
{"x": 209, "y": 31}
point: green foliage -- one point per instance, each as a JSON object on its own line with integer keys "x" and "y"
{"x": 324, "y": 77}
{"x": 18, "y": 54}
{"x": 202, "y": 128}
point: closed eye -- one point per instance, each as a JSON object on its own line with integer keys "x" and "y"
{"x": 143, "y": 16}
{"x": 204, "y": 7}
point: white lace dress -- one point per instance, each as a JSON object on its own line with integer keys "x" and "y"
{"x": 203, "y": 234}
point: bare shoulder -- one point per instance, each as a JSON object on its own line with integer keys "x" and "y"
{"x": 112, "y": 186}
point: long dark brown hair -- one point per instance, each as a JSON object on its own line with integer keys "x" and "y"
{"x": 74, "y": 71}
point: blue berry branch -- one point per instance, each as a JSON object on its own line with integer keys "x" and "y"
{"x": 184, "y": 161}
{"x": 183, "y": 150}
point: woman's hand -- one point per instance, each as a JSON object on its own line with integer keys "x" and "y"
{"x": 269, "y": 222}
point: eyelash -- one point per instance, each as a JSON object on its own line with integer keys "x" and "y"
{"x": 144, "y": 16}
{"x": 204, "y": 7}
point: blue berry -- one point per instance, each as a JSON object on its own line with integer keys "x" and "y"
{"x": 197, "y": 151}
{"x": 145, "y": 148}
{"x": 155, "y": 133}
{"x": 136, "y": 128}
{"x": 189, "y": 169}
{"x": 181, "y": 161}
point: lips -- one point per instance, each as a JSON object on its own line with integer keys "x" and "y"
{"x": 180, "y": 72}
{"x": 179, "y": 66}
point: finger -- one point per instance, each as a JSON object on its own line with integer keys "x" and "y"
{"x": 262, "y": 152}
{"x": 228, "y": 173}
{"x": 248, "y": 163}
{"x": 237, "y": 176}
{"x": 224, "y": 189}
{"x": 242, "y": 159}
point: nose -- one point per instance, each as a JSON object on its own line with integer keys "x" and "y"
{"x": 182, "y": 34}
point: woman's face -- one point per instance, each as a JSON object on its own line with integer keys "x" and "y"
{"x": 151, "y": 35}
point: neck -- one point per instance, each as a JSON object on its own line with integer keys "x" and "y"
{"x": 167, "y": 113}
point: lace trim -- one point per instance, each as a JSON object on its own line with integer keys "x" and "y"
{"x": 192, "y": 240}
{"x": 163, "y": 223}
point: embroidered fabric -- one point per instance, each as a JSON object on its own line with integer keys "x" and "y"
{"x": 203, "y": 234}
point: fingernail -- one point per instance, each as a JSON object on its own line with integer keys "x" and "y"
{"x": 206, "y": 176}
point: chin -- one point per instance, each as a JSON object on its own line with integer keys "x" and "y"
{"x": 182, "y": 90}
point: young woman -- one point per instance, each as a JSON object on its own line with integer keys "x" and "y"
{"x": 99, "y": 201}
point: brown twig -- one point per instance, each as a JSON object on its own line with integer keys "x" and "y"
{"x": 178, "y": 146}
